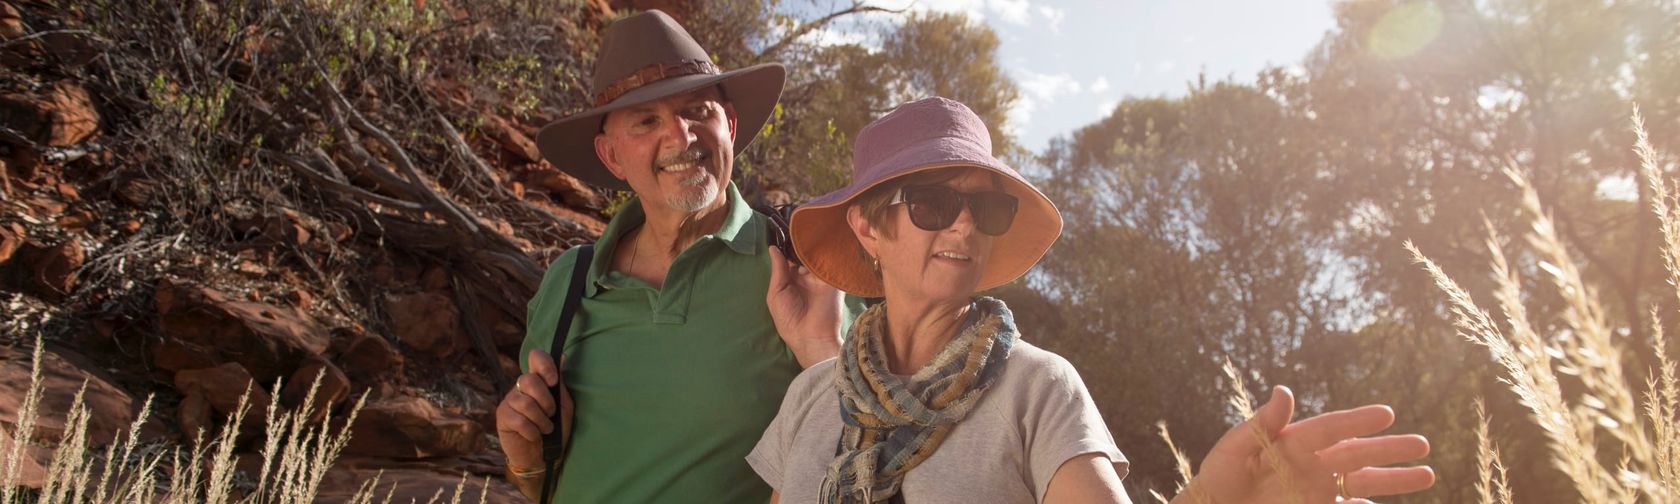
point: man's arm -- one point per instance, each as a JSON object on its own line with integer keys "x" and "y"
{"x": 524, "y": 416}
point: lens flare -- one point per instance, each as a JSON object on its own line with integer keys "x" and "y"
{"x": 1404, "y": 30}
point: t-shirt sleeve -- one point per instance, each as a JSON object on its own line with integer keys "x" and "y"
{"x": 769, "y": 457}
{"x": 1062, "y": 422}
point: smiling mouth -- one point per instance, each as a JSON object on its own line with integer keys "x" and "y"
{"x": 953, "y": 256}
{"x": 683, "y": 162}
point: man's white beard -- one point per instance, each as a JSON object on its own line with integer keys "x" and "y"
{"x": 689, "y": 201}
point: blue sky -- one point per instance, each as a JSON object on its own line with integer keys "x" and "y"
{"x": 1075, "y": 59}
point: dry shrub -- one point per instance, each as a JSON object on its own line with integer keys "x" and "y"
{"x": 1588, "y": 349}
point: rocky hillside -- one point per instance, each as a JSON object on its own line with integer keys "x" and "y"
{"x": 200, "y": 197}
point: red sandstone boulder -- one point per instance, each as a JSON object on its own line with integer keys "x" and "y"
{"x": 223, "y": 386}
{"x": 372, "y": 363}
{"x": 45, "y": 270}
{"x": 62, "y": 374}
{"x": 427, "y": 321}
{"x": 406, "y": 427}
{"x": 30, "y": 473}
{"x": 63, "y": 115}
{"x": 333, "y": 388}
{"x": 206, "y": 325}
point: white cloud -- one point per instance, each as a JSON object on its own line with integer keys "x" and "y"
{"x": 1052, "y": 15}
{"x": 1106, "y": 107}
{"x": 1100, "y": 85}
{"x": 1166, "y": 66}
{"x": 1019, "y": 116}
{"x": 830, "y": 37}
{"x": 1011, "y": 11}
{"x": 1047, "y": 87}
{"x": 1016, "y": 12}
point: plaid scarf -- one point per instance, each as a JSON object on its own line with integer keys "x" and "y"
{"x": 893, "y": 424}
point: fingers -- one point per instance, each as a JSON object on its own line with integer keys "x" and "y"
{"x": 1277, "y": 412}
{"x": 1244, "y": 439}
{"x": 521, "y": 415}
{"x": 544, "y": 366}
{"x": 1320, "y": 432}
{"x": 1381, "y": 481}
{"x": 530, "y": 386}
{"x": 520, "y": 426}
{"x": 778, "y": 269}
{"x": 1355, "y": 454}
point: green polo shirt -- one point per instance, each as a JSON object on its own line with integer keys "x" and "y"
{"x": 673, "y": 386}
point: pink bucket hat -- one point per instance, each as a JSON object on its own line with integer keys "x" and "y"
{"x": 922, "y": 135}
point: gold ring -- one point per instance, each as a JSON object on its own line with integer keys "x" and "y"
{"x": 517, "y": 385}
{"x": 1341, "y": 486}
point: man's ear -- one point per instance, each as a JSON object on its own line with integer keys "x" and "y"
{"x": 609, "y": 155}
{"x": 862, "y": 231}
{"x": 729, "y": 112}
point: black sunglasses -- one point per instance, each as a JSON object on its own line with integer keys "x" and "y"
{"x": 936, "y": 207}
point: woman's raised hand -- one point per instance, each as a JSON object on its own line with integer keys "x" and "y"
{"x": 1325, "y": 458}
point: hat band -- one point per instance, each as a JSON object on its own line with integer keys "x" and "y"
{"x": 651, "y": 74}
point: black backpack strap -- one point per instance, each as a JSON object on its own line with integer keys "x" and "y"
{"x": 554, "y": 446}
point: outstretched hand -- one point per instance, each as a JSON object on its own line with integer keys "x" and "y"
{"x": 1312, "y": 452}
{"x": 805, "y": 309}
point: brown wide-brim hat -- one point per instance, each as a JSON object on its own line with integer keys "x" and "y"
{"x": 646, "y": 57}
{"x": 923, "y": 135}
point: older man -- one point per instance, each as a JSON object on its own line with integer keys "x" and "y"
{"x": 674, "y": 362}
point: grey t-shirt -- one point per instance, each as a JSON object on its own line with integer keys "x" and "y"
{"x": 1035, "y": 417}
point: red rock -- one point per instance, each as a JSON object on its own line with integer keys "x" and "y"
{"x": 47, "y": 270}
{"x": 251, "y": 269}
{"x": 427, "y": 321}
{"x": 11, "y": 22}
{"x": 300, "y": 299}
{"x": 267, "y": 340}
{"x": 370, "y": 356}
{"x": 334, "y": 387}
{"x": 406, "y": 427}
{"x": 10, "y": 239}
{"x": 64, "y": 115}
{"x": 223, "y": 386}
{"x": 62, "y": 374}
{"x": 130, "y": 226}
{"x": 30, "y": 473}
{"x": 195, "y": 416}
{"x": 76, "y": 221}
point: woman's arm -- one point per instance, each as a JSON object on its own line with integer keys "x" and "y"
{"x": 1088, "y": 478}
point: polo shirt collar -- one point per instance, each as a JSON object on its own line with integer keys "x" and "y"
{"x": 735, "y": 233}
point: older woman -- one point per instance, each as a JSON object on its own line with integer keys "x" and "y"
{"x": 935, "y": 396}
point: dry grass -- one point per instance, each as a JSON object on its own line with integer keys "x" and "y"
{"x": 295, "y": 459}
{"x": 1588, "y": 349}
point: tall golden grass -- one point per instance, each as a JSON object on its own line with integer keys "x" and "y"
{"x": 1587, "y": 348}
{"x": 1648, "y": 437}
{"x": 295, "y": 458}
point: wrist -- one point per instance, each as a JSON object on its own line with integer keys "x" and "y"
{"x": 1194, "y": 493}
{"x": 525, "y": 473}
